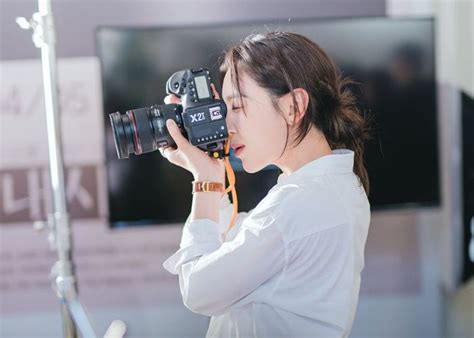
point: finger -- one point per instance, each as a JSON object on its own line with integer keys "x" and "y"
{"x": 165, "y": 151}
{"x": 170, "y": 99}
{"x": 175, "y": 133}
{"x": 214, "y": 90}
{"x": 168, "y": 153}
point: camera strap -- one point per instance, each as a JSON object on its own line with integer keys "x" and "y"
{"x": 231, "y": 188}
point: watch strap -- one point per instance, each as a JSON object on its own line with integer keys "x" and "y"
{"x": 205, "y": 186}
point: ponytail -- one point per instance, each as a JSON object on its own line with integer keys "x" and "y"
{"x": 347, "y": 128}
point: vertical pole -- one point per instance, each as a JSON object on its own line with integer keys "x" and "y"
{"x": 59, "y": 219}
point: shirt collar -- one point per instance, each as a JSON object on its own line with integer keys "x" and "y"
{"x": 341, "y": 161}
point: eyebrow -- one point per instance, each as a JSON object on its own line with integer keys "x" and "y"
{"x": 232, "y": 97}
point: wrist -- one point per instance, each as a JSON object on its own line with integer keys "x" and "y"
{"x": 209, "y": 178}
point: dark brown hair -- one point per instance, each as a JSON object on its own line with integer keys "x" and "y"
{"x": 281, "y": 62}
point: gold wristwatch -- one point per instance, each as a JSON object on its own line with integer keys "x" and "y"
{"x": 204, "y": 186}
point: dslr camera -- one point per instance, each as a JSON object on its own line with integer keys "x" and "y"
{"x": 200, "y": 117}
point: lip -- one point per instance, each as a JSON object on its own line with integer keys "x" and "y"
{"x": 236, "y": 145}
{"x": 238, "y": 148}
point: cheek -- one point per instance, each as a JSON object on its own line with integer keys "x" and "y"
{"x": 270, "y": 137}
{"x": 276, "y": 135}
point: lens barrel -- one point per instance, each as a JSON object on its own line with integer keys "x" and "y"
{"x": 143, "y": 130}
{"x": 123, "y": 134}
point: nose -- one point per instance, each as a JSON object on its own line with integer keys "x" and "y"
{"x": 230, "y": 123}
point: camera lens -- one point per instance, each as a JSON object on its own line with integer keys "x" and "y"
{"x": 143, "y": 130}
{"x": 143, "y": 135}
{"x": 123, "y": 134}
{"x": 133, "y": 132}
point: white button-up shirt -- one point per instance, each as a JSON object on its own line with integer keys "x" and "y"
{"x": 291, "y": 266}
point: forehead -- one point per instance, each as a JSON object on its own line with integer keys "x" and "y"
{"x": 229, "y": 89}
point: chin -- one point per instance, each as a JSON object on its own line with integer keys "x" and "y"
{"x": 252, "y": 168}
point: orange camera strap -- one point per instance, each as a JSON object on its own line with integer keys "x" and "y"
{"x": 231, "y": 188}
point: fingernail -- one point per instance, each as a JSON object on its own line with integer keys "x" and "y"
{"x": 170, "y": 123}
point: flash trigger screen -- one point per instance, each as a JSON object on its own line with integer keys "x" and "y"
{"x": 201, "y": 87}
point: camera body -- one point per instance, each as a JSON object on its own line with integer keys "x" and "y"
{"x": 200, "y": 117}
{"x": 203, "y": 117}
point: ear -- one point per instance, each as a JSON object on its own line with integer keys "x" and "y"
{"x": 295, "y": 105}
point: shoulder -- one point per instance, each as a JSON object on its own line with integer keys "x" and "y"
{"x": 301, "y": 209}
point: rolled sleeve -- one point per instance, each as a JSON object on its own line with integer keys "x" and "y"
{"x": 199, "y": 237}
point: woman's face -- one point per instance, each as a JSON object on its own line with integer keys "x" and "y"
{"x": 259, "y": 133}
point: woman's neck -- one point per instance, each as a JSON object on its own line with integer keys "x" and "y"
{"x": 313, "y": 146}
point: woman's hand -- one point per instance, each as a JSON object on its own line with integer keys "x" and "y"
{"x": 189, "y": 157}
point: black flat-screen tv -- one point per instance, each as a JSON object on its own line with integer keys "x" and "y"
{"x": 468, "y": 186}
{"x": 392, "y": 60}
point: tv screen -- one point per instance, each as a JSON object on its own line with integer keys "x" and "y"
{"x": 392, "y": 60}
{"x": 468, "y": 185}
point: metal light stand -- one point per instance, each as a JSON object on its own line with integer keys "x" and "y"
{"x": 58, "y": 223}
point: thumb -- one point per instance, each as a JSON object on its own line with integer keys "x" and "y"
{"x": 175, "y": 133}
{"x": 214, "y": 90}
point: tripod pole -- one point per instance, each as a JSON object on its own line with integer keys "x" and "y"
{"x": 59, "y": 222}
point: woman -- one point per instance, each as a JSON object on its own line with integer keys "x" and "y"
{"x": 291, "y": 266}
